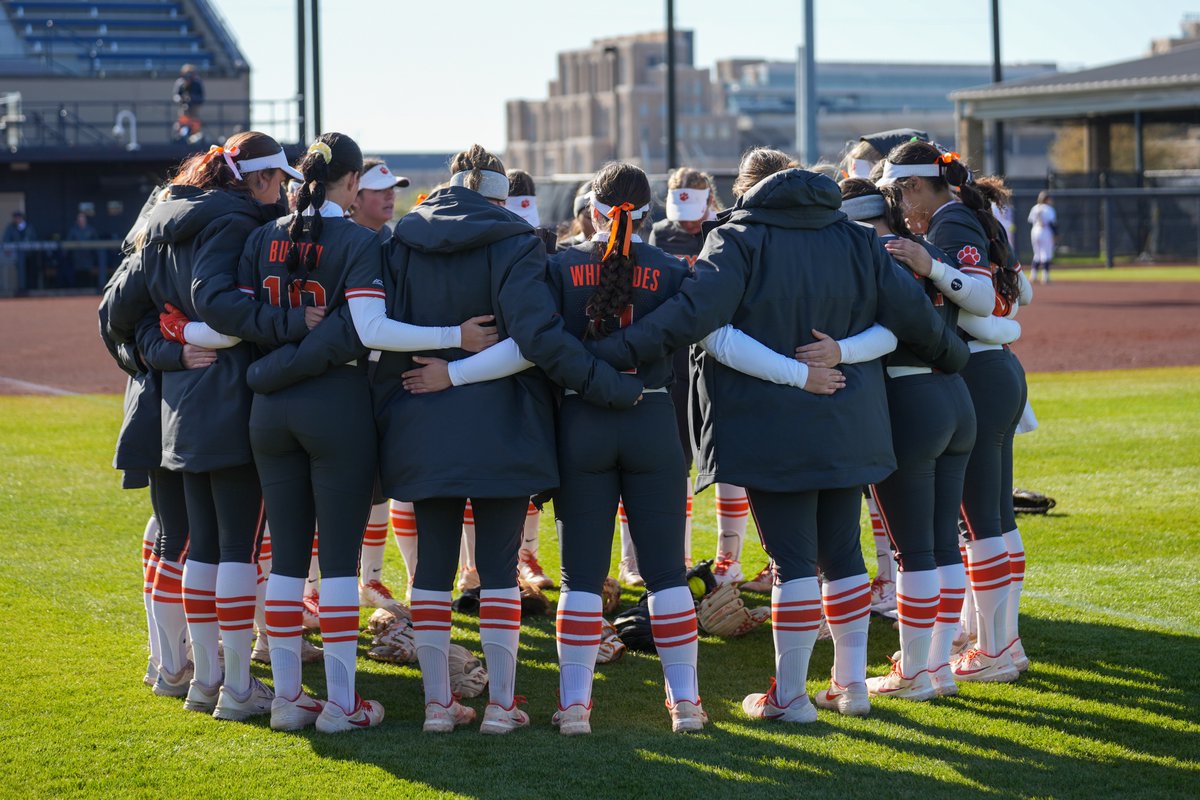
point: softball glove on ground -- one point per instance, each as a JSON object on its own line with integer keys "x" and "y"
{"x": 722, "y": 613}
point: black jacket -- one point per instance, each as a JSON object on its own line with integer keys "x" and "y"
{"x": 780, "y": 263}
{"x": 454, "y": 257}
{"x": 670, "y": 237}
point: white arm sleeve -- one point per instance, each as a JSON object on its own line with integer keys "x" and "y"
{"x": 1026, "y": 295}
{"x": 379, "y": 332}
{"x": 199, "y": 334}
{"x": 875, "y": 342}
{"x": 498, "y": 361}
{"x": 739, "y": 351}
{"x": 991, "y": 330}
{"x": 976, "y": 296}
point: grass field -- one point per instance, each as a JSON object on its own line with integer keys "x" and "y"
{"x": 1136, "y": 274}
{"x": 1110, "y": 620}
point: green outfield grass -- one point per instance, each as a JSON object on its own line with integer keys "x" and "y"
{"x": 1111, "y": 622}
{"x": 1135, "y": 274}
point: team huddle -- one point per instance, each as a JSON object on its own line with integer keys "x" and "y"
{"x": 298, "y": 377}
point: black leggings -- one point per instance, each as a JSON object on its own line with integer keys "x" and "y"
{"x": 499, "y": 523}
{"x": 805, "y": 530}
{"x": 170, "y": 508}
{"x": 224, "y": 509}
{"x": 607, "y": 455}
{"x": 997, "y": 385}
{"x": 681, "y": 365}
{"x": 315, "y": 447}
{"x": 933, "y": 431}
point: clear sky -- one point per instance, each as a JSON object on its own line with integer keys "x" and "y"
{"x": 433, "y": 75}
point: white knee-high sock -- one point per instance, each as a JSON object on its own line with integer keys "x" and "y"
{"x": 149, "y": 570}
{"x": 431, "y": 632}
{"x": 952, "y": 582}
{"x": 339, "y": 637}
{"x": 918, "y": 595}
{"x": 989, "y": 574}
{"x": 284, "y": 627}
{"x": 500, "y": 633}
{"x": 170, "y": 621}
{"x": 578, "y": 634}
{"x": 404, "y": 529}
{"x": 885, "y": 565}
{"x": 968, "y": 621}
{"x": 846, "y": 603}
{"x": 795, "y": 620}
{"x": 313, "y": 584}
{"x": 466, "y": 553}
{"x": 687, "y": 523}
{"x": 237, "y": 586}
{"x": 733, "y": 512}
{"x": 374, "y": 542}
{"x": 1016, "y": 563}
{"x": 673, "y": 624}
{"x": 529, "y": 534}
{"x": 627, "y": 549}
{"x": 264, "y": 575}
{"x": 200, "y": 609}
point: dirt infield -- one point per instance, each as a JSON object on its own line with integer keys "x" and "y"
{"x": 53, "y": 347}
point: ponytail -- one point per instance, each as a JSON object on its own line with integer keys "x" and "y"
{"x": 329, "y": 159}
{"x": 624, "y": 190}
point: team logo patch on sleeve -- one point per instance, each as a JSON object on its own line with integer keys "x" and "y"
{"x": 968, "y": 255}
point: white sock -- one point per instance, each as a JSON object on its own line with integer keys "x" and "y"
{"x": 200, "y": 608}
{"x": 967, "y": 620}
{"x": 885, "y": 564}
{"x": 264, "y": 574}
{"x": 499, "y": 634}
{"x": 1016, "y": 563}
{"x": 918, "y": 594}
{"x": 237, "y": 586}
{"x": 673, "y": 624}
{"x": 149, "y": 570}
{"x": 404, "y": 529}
{"x": 846, "y": 604}
{"x": 687, "y": 523}
{"x": 627, "y": 549}
{"x": 339, "y": 637}
{"x": 284, "y": 627}
{"x": 170, "y": 622}
{"x": 578, "y": 635}
{"x": 952, "y": 582}
{"x": 989, "y": 574}
{"x": 431, "y": 632}
{"x": 795, "y": 619}
{"x": 733, "y": 512}
{"x": 529, "y": 535}
{"x": 313, "y": 583}
{"x": 374, "y": 542}
{"x": 466, "y": 550}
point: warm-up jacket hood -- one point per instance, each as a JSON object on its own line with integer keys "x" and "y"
{"x": 186, "y": 210}
{"x": 794, "y": 198}
{"x": 455, "y": 219}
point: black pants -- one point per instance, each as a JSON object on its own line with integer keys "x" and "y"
{"x": 170, "y": 508}
{"x": 224, "y": 510}
{"x": 498, "y": 526}
{"x": 681, "y": 365}
{"x": 805, "y": 530}
{"x": 315, "y": 447}
{"x": 933, "y": 432}
{"x": 996, "y": 382}
{"x": 607, "y": 455}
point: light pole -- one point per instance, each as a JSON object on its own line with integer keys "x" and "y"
{"x": 672, "y": 145}
{"x": 613, "y": 54}
{"x": 997, "y": 77}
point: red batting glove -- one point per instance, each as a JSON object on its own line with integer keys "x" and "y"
{"x": 171, "y": 324}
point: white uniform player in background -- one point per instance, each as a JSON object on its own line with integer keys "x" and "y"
{"x": 1044, "y": 220}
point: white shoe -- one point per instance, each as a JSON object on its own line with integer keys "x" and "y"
{"x": 627, "y": 573}
{"x": 151, "y": 674}
{"x": 468, "y": 578}
{"x": 311, "y": 615}
{"x": 943, "y": 681}
{"x": 262, "y": 649}
{"x": 824, "y": 634}
{"x": 497, "y": 719}
{"x": 177, "y": 685}
{"x": 292, "y": 715}
{"x": 1016, "y": 651}
{"x": 917, "y": 687}
{"x": 727, "y": 569}
{"x": 375, "y": 595}
{"x": 366, "y": 714}
{"x": 201, "y": 698}
{"x": 531, "y": 571}
{"x": 443, "y": 719}
{"x": 851, "y": 701}
{"x": 255, "y": 701}
{"x": 883, "y": 595}
{"x": 573, "y": 720}
{"x": 687, "y": 717}
{"x": 766, "y": 706}
{"x": 309, "y": 652}
{"x": 763, "y": 581}
{"x": 976, "y": 665}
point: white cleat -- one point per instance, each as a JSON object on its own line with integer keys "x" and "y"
{"x": 374, "y": 594}
{"x": 309, "y": 652}
{"x": 366, "y": 714}
{"x": 498, "y": 719}
{"x": 763, "y": 581}
{"x": 311, "y": 615}
{"x": 468, "y": 578}
{"x": 687, "y": 717}
{"x": 883, "y": 595}
{"x": 917, "y": 687}
{"x": 943, "y": 681}
{"x": 151, "y": 674}
{"x": 201, "y": 698}
{"x": 177, "y": 685}
{"x": 1016, "y": 651}
{"x": 628, "y": 574}
{"x": 262, "y": 649}
{"x": 976, "y": 665}
{"x": 254, "y": 702}
{"x": 293, "y": 715}
{"x": 573, "y": 720}
{"x": 443, "y": 719}
{"x": 766, "y": 706}
{"x": 727, "y": 569}
{"x": 531, "y": 571}
{"x": 851, "y": 701}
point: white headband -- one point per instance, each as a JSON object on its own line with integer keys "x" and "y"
{"x": 861, "y": 168}
{"x": 686, "y": 205}
{"x": 493, "y": 186}
{"x": 604, "y": 210}
{"x": 273, "y": 161}
{"x": 524, "y": 206}
{"x": 894, "y": 172}
{"x": 581, "y": 202}
{"x": 868, "y": 206}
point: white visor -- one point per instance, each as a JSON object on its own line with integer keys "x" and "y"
{"x": 524, "y": 206}
{"x": 581, "y": 202}
{"x": 604, "y": 209}
{"x": 380, "y": 177}
{"x": 686, "y": 205}
{"x": 894, "y": 172}
{"x": 861, "y": 168}
{"x": 274, "y": 161}
{"x": 494, "y": 185}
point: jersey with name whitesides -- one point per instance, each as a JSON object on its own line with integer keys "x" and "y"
{"x": 574, "y": 276}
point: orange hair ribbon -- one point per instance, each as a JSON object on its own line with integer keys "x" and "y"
{"x": 614, "y": 214}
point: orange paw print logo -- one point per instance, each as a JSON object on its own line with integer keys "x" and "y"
{"x": 969, "y": 255}
{"x": 683, "y": 196}
{"x": 525, "y": 203}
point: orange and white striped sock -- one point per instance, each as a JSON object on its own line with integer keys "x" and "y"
{"x": 628, "y": 551}
{"x": 795, "y": 619}
{"x": 733, "y": 512}
{"x": 952, "y": 583}
{"x": 312, "y": 584}
{"x": 673, "y": 624}
{"x": 885, "y": 564}
{"x": 967, "y": 619}
{"x": 529, "y": 534}
{"x": 374, "y": 542}
{"x": 687, "y": 523}
{"x": 918, "y": 596}
{"x": 989, "y": 573}
{"x": 264, "y": 574}
{"x": 200, "y": 610}
{"x": 236, "y": 595}
{"x": 578, "y": 634}
{"x": 1016, "y": 565}
{"x": 169, "y": 619}
{"x": 431, "y": 632}
{"x": 846, "y": 604}
{"x": 339, "y": 637}
{"x": 149, "y": 537}
{"x": 284, "y": 627}
{"x": 404, "y": 529}
{"x": 499, "y": 634}
{"x": 466, "y": 548}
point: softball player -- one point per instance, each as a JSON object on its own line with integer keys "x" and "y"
{"x": 1044, "y": 221}
{"x": 872, "y": 148}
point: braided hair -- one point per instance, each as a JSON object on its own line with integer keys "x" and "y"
{"x": 626, "y": 188}
{"x": 329, "y": 159}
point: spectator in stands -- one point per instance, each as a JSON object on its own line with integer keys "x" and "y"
{"x": 82, "y": 260}
{"x": 189, "y": 96}
{"x": 19, "y": 231}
